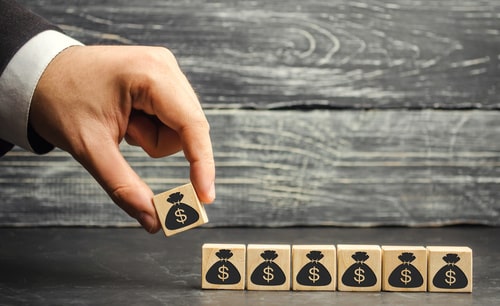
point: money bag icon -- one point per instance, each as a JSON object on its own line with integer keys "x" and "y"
{"x": 359, "y": 274}
{"x": 223, "y": 271}
{"x": 268, "y": 273}
{"x": 450, "y": 276}
{"x": 180, "y": 214}
{"x": 406, "y": 275}
{"x": 314, "y": 273}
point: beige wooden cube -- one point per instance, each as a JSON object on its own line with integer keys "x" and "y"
{"x": 359, "y": 267}
{"x": 404, "y": 268}
{"x": 314, "y": 267}
{"x": 449, "y": 269}
{"x": 179, "y": 209}
{"x": 223, "y": 266}
{"x": 268, "y": 267}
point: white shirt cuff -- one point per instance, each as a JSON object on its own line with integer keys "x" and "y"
{"x": 19, "y": 80}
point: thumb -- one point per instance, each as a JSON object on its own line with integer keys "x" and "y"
{"x": 107, "y": 165}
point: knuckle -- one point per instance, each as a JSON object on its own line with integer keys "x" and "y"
{"x": 120, "y": 193}
{"x": 198, "y": 126}
{"x": 152, "y": 58}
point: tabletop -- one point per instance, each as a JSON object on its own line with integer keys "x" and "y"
{"x": 127, "y": 266}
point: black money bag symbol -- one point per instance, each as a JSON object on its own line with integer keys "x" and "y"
{"x": 223, "y": 271}
{"x": 359, "y": 274}
{"x": 180, "y": 214}
{"x": 314, "y": 273}
{"x": 450, "y": 276}
{"x": 406, "y": 275}
{"x": 268, "y": 273}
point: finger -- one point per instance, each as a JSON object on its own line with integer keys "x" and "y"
{"x": 131, "y": 141}
{"x": 105, "y": 162}
{"x": 176, "y": 105}
{"x": 152, "y": 135}
{"x": 190, "y": 123}
{"x": 198, "y": 151}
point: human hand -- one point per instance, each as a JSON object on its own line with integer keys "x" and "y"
{"x": 91, "y": 97}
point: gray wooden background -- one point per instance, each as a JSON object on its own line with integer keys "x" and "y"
{"x": 323, "y": 112}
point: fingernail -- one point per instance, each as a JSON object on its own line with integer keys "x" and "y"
{"x": 211, "y": 191}
{"x": 147, "y": 222}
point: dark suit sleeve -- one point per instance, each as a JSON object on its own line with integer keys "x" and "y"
{"x": 17, "y": 26}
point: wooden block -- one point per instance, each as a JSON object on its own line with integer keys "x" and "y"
{"x": 449, "y": 269}
{"x": 223, "y": 266}
{"x": 404, "y": 268}
{"x": 359, "y": 267}
{"x": 179, "y": 209}
{"x": 268, "y": 267}
{"x": 314, "y": 267}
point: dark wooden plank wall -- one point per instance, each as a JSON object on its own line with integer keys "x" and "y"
{"x": 322, "y": 112}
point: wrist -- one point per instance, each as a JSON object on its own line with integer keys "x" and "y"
{"x": 18, "y": 83}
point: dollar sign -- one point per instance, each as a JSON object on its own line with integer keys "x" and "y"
{"x": 450, "y": 277}
{"x": 179, "y": 212}
{"x": 269, "y": 276}
{"x": 223, "y": 275}
{"x": 313, "y": 274}
{"x": 359, "y": 278}
{"x": 405, "y": 276}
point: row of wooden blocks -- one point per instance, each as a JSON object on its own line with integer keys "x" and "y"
{"x": 344, "y": 267}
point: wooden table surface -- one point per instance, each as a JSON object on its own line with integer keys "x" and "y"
{"x": 81, "y": 266}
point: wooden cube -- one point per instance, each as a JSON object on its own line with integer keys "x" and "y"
{"x": 223, "y": 266}
{"x": 314, "y": 267}
{"x": 449, "y": 269}
{"x": 268, "y": 267}
{"x": 404, "y": 268}
{"x": 179, "y": 209}
{"x": 359, "y": 267}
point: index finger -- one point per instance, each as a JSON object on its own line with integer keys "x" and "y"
{"x": 174, "y": 102}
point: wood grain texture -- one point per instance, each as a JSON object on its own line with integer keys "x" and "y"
{"x": 287, "y": 85}
{"x": 315, "y": 54}
{"x": 286, "y": 168}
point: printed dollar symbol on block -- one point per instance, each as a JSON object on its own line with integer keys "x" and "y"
{"x": 179, "y": 209}
{"x": 314, "y": 273}
{"x": 314, "y": 276}
{"x": 406, "y": 275}
{"x": 450, "y": 276}
{"x": 223, "y": 271}
{"x": 181, "y": 216}
{"x": 223, "y": 266}
{"x": 359, "y": 277}
{"x": 268, "y": 275}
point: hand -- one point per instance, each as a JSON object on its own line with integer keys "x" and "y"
{"x": 91, "y": 97}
